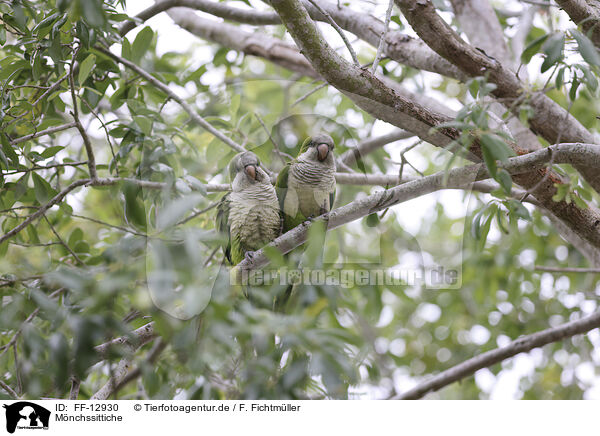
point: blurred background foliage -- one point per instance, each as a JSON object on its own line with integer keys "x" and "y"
{"x": 78, "y": 276}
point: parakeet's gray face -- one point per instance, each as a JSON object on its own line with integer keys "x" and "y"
{"x": 245, "y": 170}
{"x": 320, "y": 149}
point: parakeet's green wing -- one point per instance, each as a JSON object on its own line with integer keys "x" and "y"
{"x": 223, "y": 225}
{"x": 281, "y": 185}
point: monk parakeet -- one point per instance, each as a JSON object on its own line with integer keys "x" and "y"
{"x": 306, "y": 185}
{"x": 306, "y": 189}
{"x": 249, "y": 215}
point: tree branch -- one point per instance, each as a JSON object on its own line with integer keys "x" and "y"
{"x": 489, "y": 358}
{"x": 457, "y": 178}
{"x": 91, "y": 161}
{"x": 136, "y": 339}
{"x": 397, "y": 45}
{"x": 549, "y": 119}
{"x": 337, "y": 28}
{"x": 585, "y": 13}
{"x": 368, "y": 91}
{"x": 222, "y": 10}
{"x": 8, "y": 389}
{"x": 44, "y": 132}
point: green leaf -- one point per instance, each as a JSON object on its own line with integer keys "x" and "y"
{"x": 2, "y": 35}
{"x": 489, "y": 160}
{"x": 9, "y": 150}
{"x": 396, "y": 19}
{"x": 55, "y": 49}
{"x": 76, "y": 236}
{"x": 3, "y": 160}
{"x": 586, "y": 48}
{"x": 134, "y": 208}
{"x": 126, "y": 49}
{"x": 499, "y": 149}
{"x": 177, "y": 209}
{"x": 505, "y": 180}
{"x": 141, "y": 43}
{"x": 372, "y": 220}
{"x": 3, "y": 249}
{"x": 92, "y": 12}
{"x": 573, "y": 90}
{"x": 86, "y": 67}
{"x": 533, "y": 48}
{"x": 485, "y": 228}
{"x": 560, "y": 78}
{"x": 42, "y": 189}
{"x": 553, "y": 48}
{"x": 144, "y": 123}
{"x": 519, "y": 209}
{"x": 51, "y": 151}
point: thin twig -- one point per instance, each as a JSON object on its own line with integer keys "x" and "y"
{"x": 309, "y": 93}
{"x": 8, "y": 389}
{"x": 48, "y": 131}
{"x": 62, "y": 242}
{"x": 47, "y": 167}
{"x": 280, "y": 153}
{"x": 75, "y": 113}
{"x": 198, "y": 213}
{"x": 113, "y": 226}
{"x": 338, "y": 29}
{"x": 388, "y": 16}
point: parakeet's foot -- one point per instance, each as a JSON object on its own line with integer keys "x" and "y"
{"x": 249, "y": 255}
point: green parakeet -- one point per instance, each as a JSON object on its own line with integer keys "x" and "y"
{"x": 306, "y": 186}
{"x": 306, "y": 189}
{"x": 249, "y": 215}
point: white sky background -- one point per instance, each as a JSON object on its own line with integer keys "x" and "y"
{"x": 410, "y": 214}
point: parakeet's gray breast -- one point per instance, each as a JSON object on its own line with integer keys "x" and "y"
{"x": 254, "y": 216}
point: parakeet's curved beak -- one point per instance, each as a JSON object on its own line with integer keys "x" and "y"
{"x": 251, "y": 171}
{"x": 322, "y": 151}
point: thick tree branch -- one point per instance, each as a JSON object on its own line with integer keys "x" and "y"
{"x": 152, "y": 356}
{"x": 369, "y": 91}
{"x": 455, "y": 178}
{"x": 396, "y": 45}
{"x": 479, "y": 22}
{"x": 489, "y": 358}
{"x": 586, "y": 13}
{"x": 136, "y": 339}
{"x": 549, "y": 119}
{"x": 590, "y": 252}
{"x": 211, "y": 7}
{"x": 117, "y": 374}
{"x": 288, "y": 56}
{"x": 131, "y": 342}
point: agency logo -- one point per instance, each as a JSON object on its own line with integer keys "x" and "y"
{"x": 26, "y": 415}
